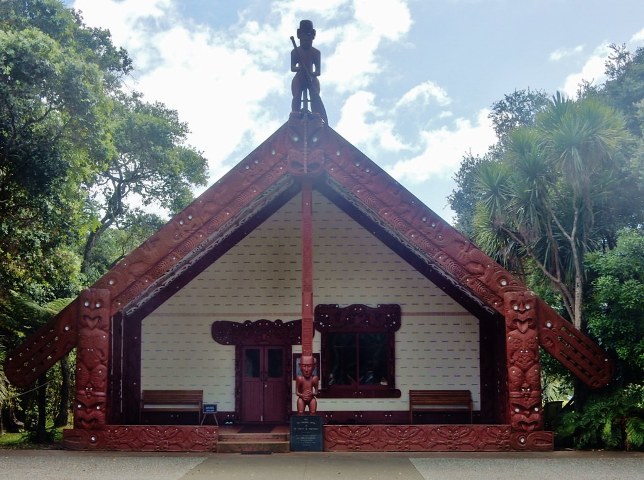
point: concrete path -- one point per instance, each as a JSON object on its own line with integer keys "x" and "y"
{"x": 58, "y": 464}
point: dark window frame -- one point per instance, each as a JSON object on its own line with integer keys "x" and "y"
{"x": 358, "y": 319}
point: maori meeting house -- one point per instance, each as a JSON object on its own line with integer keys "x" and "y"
{"x": 308, "y": 248}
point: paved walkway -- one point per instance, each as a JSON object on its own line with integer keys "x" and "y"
{"x": 58, "y": 464}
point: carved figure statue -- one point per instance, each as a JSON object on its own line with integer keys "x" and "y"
{"x": 306, "y": 386}
{"x": 305, "y": 62}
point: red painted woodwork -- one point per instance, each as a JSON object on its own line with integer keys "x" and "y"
{"x": 573, "y": 349}
{"x": 263, "y": 384}
{"x": 254, "y": 334}
{"x": 143, "y": 438}
{"x": 307, "y": 269}
{"x": 257, "y": 332}
{"x": 306, "y": 150}
{"x": 92, "y": 359}
{"x": 303, "y": 147}
{"x": 432, "y": 438}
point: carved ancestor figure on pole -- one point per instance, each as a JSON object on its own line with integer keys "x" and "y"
{"x": 306, "y": 386}
{"x": 305, "y": 62}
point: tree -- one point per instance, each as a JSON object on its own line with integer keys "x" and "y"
{"x": 54, "y": 78}
{"x": 514, "y": 110}
{"x": 517, "y": 109}
{"x": 624, "y": 88}
{"x": 151, "y": 163}
{"x": 614, "y": 418}
{"x": 542, "y": 199}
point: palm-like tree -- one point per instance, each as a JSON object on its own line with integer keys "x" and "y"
{"x": 539, "y": 202}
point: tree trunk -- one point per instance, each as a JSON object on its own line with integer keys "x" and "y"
{"x": 41, "y": 427}
{"x": 63, "y": 409}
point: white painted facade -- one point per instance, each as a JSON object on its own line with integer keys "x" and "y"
{"x": 437, "y": 346}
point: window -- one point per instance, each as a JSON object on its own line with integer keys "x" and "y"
{"x": 358, "y": 350}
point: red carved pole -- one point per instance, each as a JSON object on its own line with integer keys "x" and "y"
{"x": 90, "y": 410}
{"x": 307, "y": 268}
{"x": 524, "y": 370}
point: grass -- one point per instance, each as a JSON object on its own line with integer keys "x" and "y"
{"x": 23, "y": 440}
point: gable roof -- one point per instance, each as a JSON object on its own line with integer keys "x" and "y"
{"x": 306, "y": 149}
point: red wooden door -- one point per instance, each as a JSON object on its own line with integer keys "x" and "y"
{"x": 263, "y": 394}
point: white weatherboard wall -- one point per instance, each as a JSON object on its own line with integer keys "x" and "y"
{"x": 437, "y": 345}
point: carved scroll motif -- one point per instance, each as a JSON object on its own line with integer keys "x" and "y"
{"x": 143, "y": 438}
{"x": 258, "y": 332}
{"x": 383, "y": 317}
{"x": 92, "y": 360}
{"x": 417, "y": 438}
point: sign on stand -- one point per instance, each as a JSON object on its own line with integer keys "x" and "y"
{"x": 306, "y": 433}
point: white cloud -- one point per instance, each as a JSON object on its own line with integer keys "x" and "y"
{"x": 354, "y": 62}
{"x": 638, "y": 37}
{"x": 562, "y": 53}
{"x": 362, "y": 125}
{"x": 444, "y": 149}
{"x": 592, "y": 71}
{"x": 423, "y": 94}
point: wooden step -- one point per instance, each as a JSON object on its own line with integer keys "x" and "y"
{"x": 253, "y": 443}
{"x": 253, "y": 447}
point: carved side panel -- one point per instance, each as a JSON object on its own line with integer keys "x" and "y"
{"x": 417, "y": 438}
{"x": 143, "y": 438}
{"x": 90, "y": 410}
{"x": 41, "y": 350}
{"x": 573, "y": 349}
{"x": 524, "y": 370}
{"x": 432, "y": 438}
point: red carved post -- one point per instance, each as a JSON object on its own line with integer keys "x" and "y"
{"x": 524, "y": 370}
{"x": 92, "y": 360}
{"x": 307, "y": 268}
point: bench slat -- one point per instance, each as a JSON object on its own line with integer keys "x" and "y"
{"x": 177, "y": 401}
{"x": 440, "y": 400}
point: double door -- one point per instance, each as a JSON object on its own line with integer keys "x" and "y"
{"x": 264, "y": 385}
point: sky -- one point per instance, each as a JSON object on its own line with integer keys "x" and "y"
{"x": 408, "y": 82}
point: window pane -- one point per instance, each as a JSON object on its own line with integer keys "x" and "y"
{"x": 275, "y": 363}
{"x": 373, "y": 358}
{"x": 341, "y": 348}
{"x": 251, "y": 362}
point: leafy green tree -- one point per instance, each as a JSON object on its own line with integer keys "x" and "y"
{"x": 517, "y": 109}
{"x": 514, "y": 110}
{"x": 151, "y": 163}
{"x": 624, "y": 88}
{"x": 614, "y": 418}
{"x": 542, "y": 199}
{"x": 54, "y": 78}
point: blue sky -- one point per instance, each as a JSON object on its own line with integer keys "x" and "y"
{"x": 409, "y": 82}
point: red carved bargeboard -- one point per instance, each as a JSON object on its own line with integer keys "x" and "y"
{"x": 432, "y": 438}
{"x": 143, "y": 438}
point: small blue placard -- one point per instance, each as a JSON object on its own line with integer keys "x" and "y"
{"x": 209, "y": 408}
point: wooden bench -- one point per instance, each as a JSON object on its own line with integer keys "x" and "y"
{"x": 172, "y": 401}
{"x": 440, "y": 401}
